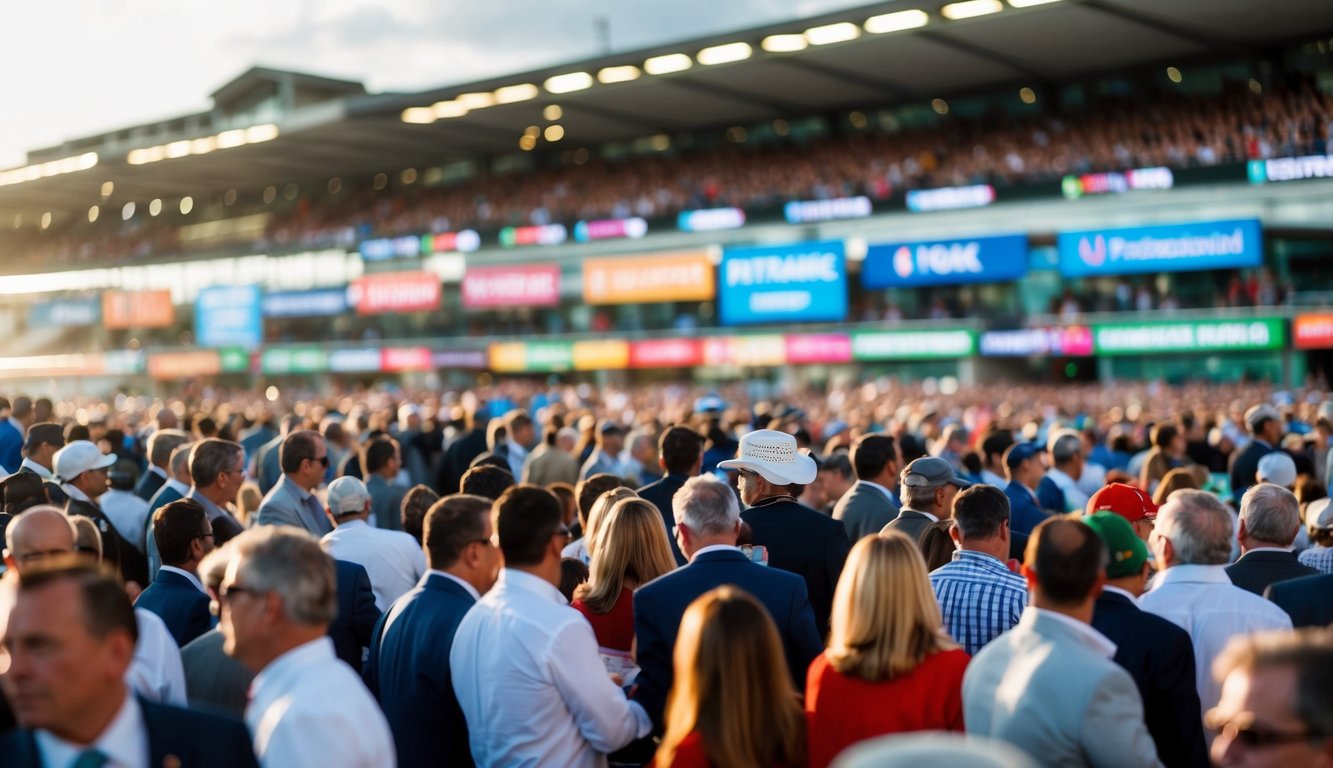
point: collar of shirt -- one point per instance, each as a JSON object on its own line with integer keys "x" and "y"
{"x": 516, "y": 579}
{"x": 471, "y": 590}
{"x": 212, "y": 510}
{"x": 156, "y": 470}
{"x": 933, "y": 518}
{"x": 1267, "y": 549}
{"x": 193, "y": 578}
{"x": 16, "y": 424}
{"x": 299, "y": 493}
{"x": 41, "y": 471}
{"x": 350, "y": 525}
{"x": 887, "y": 493}
{"x": 276, "y": 676}
{"x": 1089, "y": 637}
{"x": 75, "y": 493}
{"x": 980, "y": 558}
{"x": 517, "y": 451}
{"x": 178, "y": 486}
{"x": 715, "y": 548}
{"x": 1191, "y": 574}
{"x": 124, "y": 741}
{"x": 1121, "y": 592}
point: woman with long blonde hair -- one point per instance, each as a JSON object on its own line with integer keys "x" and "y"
{"x": 732, "y": 704}
{"x": 629, "y": 548}
{"x": 890, "y": 666}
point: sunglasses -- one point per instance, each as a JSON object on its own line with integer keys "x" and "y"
{"x": 1252, "y": 736}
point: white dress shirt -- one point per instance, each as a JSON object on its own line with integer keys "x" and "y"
{"x": 394, "y": 560}
{"x": 517, "y": 456}
{"x": 41, "y": 471}
{"x": 471, "y": 590}
{"x": 124, "y": 741}
{"x": 156, "y": 671}
{"x": 128, "y": 513}
{"x": 1075, "y": 498}
{"x": 193, "y": 579}
{"x": 1202, "y": 600}
{"x": 531, "y": 684}
{"x": 308, "y": 709}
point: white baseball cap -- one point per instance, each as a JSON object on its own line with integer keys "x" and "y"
{"x": 78, "y": 457}
{"x": 773, "y": 455}
{"x": 1277, "y": 468}
{"x": 347, "y": 495}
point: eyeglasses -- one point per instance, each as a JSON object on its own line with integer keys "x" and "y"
{"x": 322, "y": 460}
{"x": 229, "y": 592}
{"x": 1241, "y": 729}
{"x": 564, "y": 531}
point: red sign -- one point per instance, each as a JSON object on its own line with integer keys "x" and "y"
{"x": 533, "y": 285}
{"x": 666, "y": 353}
{"x": 397, "y": 359}
{"x": 819, "y": 348}
{"x": 1313, "y": 331}
{"x": 395, "y": 292}
{"x": 137, "y": 309}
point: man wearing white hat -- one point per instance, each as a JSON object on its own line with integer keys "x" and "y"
{"x": 393, "y": 559}
{"x": 82, "y": 470}
{"x": 799, "y": 539}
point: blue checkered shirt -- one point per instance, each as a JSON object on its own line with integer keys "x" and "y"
{"x": 1317, "y": 557}
{"x": 979, "y": 597}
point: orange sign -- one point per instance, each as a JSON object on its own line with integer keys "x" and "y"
{"x": 137, "y": 309}
{"x": 603, "y": 355}
{"x": 184, "y": 365}
{"x": 684, "y": 276}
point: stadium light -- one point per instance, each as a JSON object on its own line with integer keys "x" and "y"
{"x": 622, "y": 74}
{"x": 665, "y": 65}
{"x": 1030, "y": 3}
{"x": 446, "y": 109}
{"x": 229, "y": 139}
{"x": 896, "y": 22}
{"x": 418, "y": 115}
{"x": 833, "y": 33}
{"x": 510, "y": 94}
{"x": 50, "y": 168}
{"x": 476, "y": 100}
{"x": 784, "y": 43}
{"x": 724, "y": 54}
{"x": 259, "y": 133}
{"x": 969, "y": 9}
{"x": 568, "y": 83}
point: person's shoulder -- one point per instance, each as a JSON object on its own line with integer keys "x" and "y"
{"x": 191, "y": 721}
{"x": 950, "y": 662}
{"x": 1301, "y": 585}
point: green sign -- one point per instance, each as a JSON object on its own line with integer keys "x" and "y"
{"x": 294, "y": 360}
{"x": 234, "y": 359}
{"x": 553, "y": 356}
{"x": 1239, "y": 335}
{"x": 913, "y": 345}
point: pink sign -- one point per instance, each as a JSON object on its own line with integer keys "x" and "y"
{"x": 533, "y": 285}
{"x": 394, "y": 359}
{"x": 819, "y": 348}
{"x": 666, "y": 353}
{"x": 395, "y": 292}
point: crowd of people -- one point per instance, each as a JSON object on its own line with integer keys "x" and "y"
{"x": 1126, "y": 576}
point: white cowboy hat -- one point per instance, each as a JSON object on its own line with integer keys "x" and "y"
{"x": 773, "y": 455}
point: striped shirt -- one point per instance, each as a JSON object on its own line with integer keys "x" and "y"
{"x": 1317, "y": 557}
{"x": 979, "y": 598}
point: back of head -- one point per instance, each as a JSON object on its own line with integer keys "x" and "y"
{"x": 164, "y": 442}
{"x": 1066, "y": 445}
{"x": 600, "y": 508}
{"x": 588, "y": 490}
{"x": 1271, "y": 514}
{"x": 631, "y": 545}
{"x": 39, "y": 528}
{"x": 995, "y": 444}
{"x": 1198, "y": 526}
{"x": 1178, "y": 479}
{"x": 871, "y": 454}
{"x": 175, "y": 527}
{"x": 680, "y": 448}
{"x": 451, "y": 525}
{"x": 1067, "y": 557}
{"x": 980, "y": 511}
{"x": 1277, "y": 468}
{"x": 23, "y": 491}
{"x": 289, "y": 562}
{"x": 486, "y": 480}
{"x": 179, "y": 463}
{"x": 934, "y": 750}
{"x": 378, "y": 453}
{"x": 416, "y": 502}
{"x": 526, "y": 518}
{"x": 87, "y": 539}
{"x": 707, "y": 506}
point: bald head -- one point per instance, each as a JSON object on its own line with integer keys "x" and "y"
{"x": 39, "y": 532}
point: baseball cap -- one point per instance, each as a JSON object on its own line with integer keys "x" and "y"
{"x": 1259, "y": 414}
{"x": 347, "y": 495}
{"x": 1128, "y": 552}
{"x": 1319, "y": 514}
{"x": 1277, "y": 468}
{"x": 773, "y": 455}
{"x": 47, "y": 432}
{"x": 78, "y": 457}
{"x": 1124, "y": 500}
{"x": 607, "y": 427}
{"x": 931, "y": 472}
{"x": 1019, "y": 453}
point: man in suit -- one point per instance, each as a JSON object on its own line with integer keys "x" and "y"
{"x": 1048, "y": 686}
{"x": 267, "y": 469}
{"x": 869, "y": 505}
{"x": 1306, "y": 600}
{"x": 175, "y": 488}
{"x": 1023, "y": 467}
{"x": 382, "y": 459}
{"x": 83, "y": 468}
{"x": 929, "y": 486}
{"x": 304, "y": 459}
{"x": 707, "y": 523}
{"x": 215, "y": 681}
{"x": 1155, "y": 652}
{"x": 217, "y": 469}
{"x": 605, "y": 457}
{"x": 70, "y": 638}
{"x": 553, "y": 461}
{"x": 44, "y": 439}
{"x": 353, "y": 624}
{"x": 11, "y": 435}
{"x": 1266, "y": 428}
{"x": 184, "y": 537}
{"x": 460, "y": 453}
{"x": 681, "y": 454}
{"x": 408, "y": 671}
{"x": 161, "y": 444}
{"x": 1270, "y": 518}
{"x": 799, "y": 539}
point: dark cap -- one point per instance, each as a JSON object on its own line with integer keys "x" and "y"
{"x": 607, "y": 427}
{"x": 931, "y": 472}
{"x": 1020, "y": 453}
{"x": 46, "y": 432}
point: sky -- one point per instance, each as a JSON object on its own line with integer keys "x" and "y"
{"x": 72, "y": 68}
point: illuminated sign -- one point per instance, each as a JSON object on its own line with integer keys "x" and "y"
{"x": 280, "y": 361}
{"x": 1074, "y": 341}
{"x": 1290, "y": 168}
{"x": 536, "y": 285}
{"x": 944, "y": 262}
{"x": 400, "y": 359}
{"x": 395, "y": 292}
{"x": 1185, "y": 336}
{"x": 912, "y": 345}
{"x": 465, "y": 241}
{"x": 364, "y": 360}
{"x": 801, "y": 282}
{"x": 710, "y": 219}
{"x": 807, "y": 211}
{"x": 229, "y": 316}
{"x": 950, "y": 198}
{"x": 1313, "y": 331}
{"x": 666, "y": 353}
{"x": 320, "y": 303}
{"x": 1163, "y": 248}
{"x": 548, "y": 234}
{"x": 137, "y": 309}
{"x": 471, "y": 359}
{"x": 685, "y": 276}
{"x": 610, "y": 229}
{"x": 384, "y": 249}
{"x": 819, "y": 348}
{"x": 1075, "y": 187}
{"x": 65, "y": 313}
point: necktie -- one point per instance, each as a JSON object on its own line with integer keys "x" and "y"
{"x": 90, "y": 758}
{"x": 321, "y": 522}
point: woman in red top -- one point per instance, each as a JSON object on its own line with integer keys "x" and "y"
{"x": 890, "y": 666}
{"x": 630, "y": 549}
{"x": 732, "y": 704}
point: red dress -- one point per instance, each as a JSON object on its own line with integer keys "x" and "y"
{"x": 690, "y": 754}
{"x": 615, "y": 628}
{"x": 841, "y": 710}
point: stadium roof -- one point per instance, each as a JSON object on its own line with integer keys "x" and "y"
{"x": 322, "y": 128}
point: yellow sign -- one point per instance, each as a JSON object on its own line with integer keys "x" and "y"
{"x": 683, "y": 276}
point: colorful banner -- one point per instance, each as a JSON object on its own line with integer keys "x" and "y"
{"x": 1313, "y": 331}
{"x": 403, "y": 359}
{"x": 710, "y": 219}
{"x": 818, "y": 348}
{"x": 761, "y": 351}
{"x": 1166, "y": 248}
{"x": 666, "y": 353}
{"x": 326, "y": 302}
{"x": 995, "y": 259}
{"x": 913, "y": 345}
{"x": 469, "y": 359}
{"x": 950, "y": 198}
{"x": 533, "y": 285}
{"x": 1073, "y": 341}
{"x": 184, "y": 365}
{"x": 1290, "y": 168}
{"x": 610, "y": 229}
{"x": 229, "y": 316}
{"x": 601, "y": 355}
{"x": 137, "y": 309}
{"x": 395, "y": 292}
{"x": 684, "y": 276}
{"x": 293, "y": 360}
{"x": 364, "y": 360}
{"x": 803, "y": 282}
{"x": 1242, "y": 334}
{"x": 65, "y": 313}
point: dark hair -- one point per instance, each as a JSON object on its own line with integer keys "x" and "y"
{"x": 451, "y": 524}
{"x": 995, "y": 444}
{"x": 296, "y": 448}
{"x": 486, "y": 480}
{"x": 1163, "y": 434}
{"x": 590, "y": 488}
{"x": 377, "y": 454}
{"x": 572, "y": 573}
{"x": 106, "y": 606}
{"x": 210, "y": 458}
{"x": 936, "y": 544}
{"x": 680, "y": 447}
{"x": 526, "y": 517}
{"x": 489, "y": 459}
{"x": 980, "y": 511}
{"x": 416, "y": 502}
{"x": 565, "y": 492}
{"x": 1067, "y": 557}
{"x": 77, "y": 432}
{"x": 911, "y": 448}
{"x": 21, "y": 491}
{"x": 871, "y": 454}
{"x": 839, "y": 462}
{"x": 175, "y": 527}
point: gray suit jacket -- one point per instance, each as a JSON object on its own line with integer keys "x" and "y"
{"x": 283, "y": 506}
{"x": 546, "y": 465}
{"x": 1043, "y": 688}
{"x": 910, "y": 522}
{"x": 386, "y": 503}
{"x": 864, "y": 510}
{"x": 213, "y": 680}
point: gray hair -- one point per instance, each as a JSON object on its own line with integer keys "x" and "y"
{"x": 162, "y": 443}
{"x": 210, "y": 458}
{"x": 706, "y": 506}
{"x": 919, "y": 497}
{"x": 1271, "y": 514}
{"x": 180, "y": 461}
{"x": 213, "y": 568}
{"x": 289, "y": 562}
{"x": 1065, "y": 445}
{"x": 1199, "y": 527}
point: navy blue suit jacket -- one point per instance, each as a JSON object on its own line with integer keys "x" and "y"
{"x": 1051, "y": 498}
{"x": 176, "y": 736}
{"x": 408, "y": 672}
{"x": 1160, "y": 658}
{"x": 180, "y": 605}
{"x": 660, "y": 604}
{"x": 1245, "y": 466}
{"x": 11, "y": 447}
{"x": 1305, "y": 599}
{"x": 149, "y": 484}
{"x": 807, "y": 543}
{"x": 354, "y": 625}
{"x": 1255, "y": 571}
{"x": 1024, "y": 514}
{"x": 660, "y": 494}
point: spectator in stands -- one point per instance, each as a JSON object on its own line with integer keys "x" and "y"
{"x": 304, "y": 460}
{"x": 606, "y": 457}
{"x": 39, "y": 450}
{"x": 937, "y": 546}
{"x": 572, "y": 574}
{"x": 177, "y": 485}
{"x": 416, "y": 502}
{"x": 1179, "y": 479}
{"x": 1155, "y": 652}
{"x": 1319, "y": 519}
{"x": 525, "y": 668}
{"x": 890, "y": 666}
{"x": 126, "y": 511}
{"x": 1270, "y": 518}
{"x": 306, "y": 708}
{"x": 731, "y": 703}
{"x": 459, "y": 454}
{"x": 979, "y": 597}
{"x": 1049, "y": 686}
{"x": 929, "y": 486}
{"x": 993, "y": 448}
{"x": 1191, "y": 544}
{"x": 522, "y": 434}
{"x": 1266, "y": 427}
{"x": 392, "y": 559}
{"x": 217, "y": 468}
{"x": 83, "y": 470}
{"x": 1022, "y": 463}
{"x": 641, "y": 460}
{"x": 212, "y": 678}
{"x": 870, "y": 504}
{"x": 553, "y": 462}
{"x": 184, "y": 537}
{"x": 267, "y": 464}
{"x": 1167, "y": 453}
{"x": 1067, "y": 462}
{"x": 837, "y": 476}
{"x": 681, "y": 453}
{"x": 952, "y": 446}
{"x": 497, "y": 446}
{"x": 383, "y": 461}
{"x": 590, "y": 494}
{"x": 487, "y": 480}
{"x": 248, "y": 500}
{"x": 1279, "y": 469}
{"x": 13, "y": 432}
{"x": 1130, "y": 503}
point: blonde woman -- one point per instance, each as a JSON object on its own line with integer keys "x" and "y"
{"x": 890, "y": 666}
{"x": 732, "y": 704}
{"x": 582, "y": 548}
{"x": 630, "y": 548}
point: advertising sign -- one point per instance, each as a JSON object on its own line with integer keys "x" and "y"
{"x": 759, "y": 351}
{"x": 545, "y": 234}
{"x": 666, "y": 353}
{"x": 1075, "y": 187}
{"x": 365, "y": 360}
{"x": 471, "y": 359}
{"x": 710, "y": 219}
{"x": 326, "y": 302}
{"x": 65, "y": 313}
{"x": 1290, "y": 168}
{"x": 1073, "y": 341}
{"x": 395, "y": 292}
{"x": 288, "y": 360}
{"x": 601, "y": 355}
{"x": 950, "y": 198}
{"x": 229, "y": 316}
{"x": 807, "y": 211}
{"x": 198, "y": 362}
{"x": 386, "y": 248}
{"x": 995, "y": 259}
{"x": 913, "y": 345}
{"x": 1165, "y": 248}
{"x": 533, "y": 285}
{"x": 684, "y": 276}
{"x": 1313, "y": 331}
{"x": 1243, "y": 334}
{"x": 610, "y": 229}
{"x": 400, "y": 359}
{"x": 818, "y": 348}
{"x": 804, "y": 282}
{"x": 137, "y": 309}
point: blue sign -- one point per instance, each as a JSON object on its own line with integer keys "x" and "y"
{"x": 65, "y": 313}
{"x": 321, "y": 303}
{"x": 1166, "y": 248}
{"x": 229, "y": 316}
{"x": 804, "y": 282}
{"x": 945, "y": 262}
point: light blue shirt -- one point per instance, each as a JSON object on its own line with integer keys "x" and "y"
{"x": 124, "y": 741}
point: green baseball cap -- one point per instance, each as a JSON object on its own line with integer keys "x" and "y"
{"x": 1128, "y": 552}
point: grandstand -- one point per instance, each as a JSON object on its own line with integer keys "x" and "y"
{"x": 1083, "y": 189}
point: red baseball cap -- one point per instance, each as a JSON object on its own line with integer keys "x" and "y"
{"x": 1124, "y": 500}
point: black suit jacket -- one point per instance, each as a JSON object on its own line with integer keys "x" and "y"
{"x": 149, "y": 484}
{"x": 1160, "y": 658}
{"x": 180, "y": 605}
{"x": 408, "y": 672}
{"x": 457, "y": 458}
{"x": 116, "y": 550}
{"x": 1244, "y": 467}
{"x": 1254, "y": 571}
{"x": 176, "y": 736}
{"x": 354, "y": 625}
{"x": 1305, "y": 599}
{"x": 808, "y": 544}
{"x": 660, "y": 494}
{"x": 225, "y": 528}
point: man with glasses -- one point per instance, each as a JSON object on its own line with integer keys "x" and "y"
{"x": 304, "y": 459}
{"x": 184, "y": 537}
{"x": 217, "y": 469}
{"x": 82, "y": 469}
{"x": 1277, "y": 701}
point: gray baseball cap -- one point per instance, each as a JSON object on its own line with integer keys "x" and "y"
{"x": 931, "y": 472}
